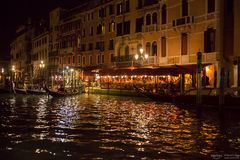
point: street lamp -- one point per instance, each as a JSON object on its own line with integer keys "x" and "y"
{"x": 141, "y": 56}
{"x": 64, "y": 75}
{"x": 13, "y": 72}
{"x": 42, "y": 65}
{"x": 2, "y": 71}
{"x": 72, "y": 76}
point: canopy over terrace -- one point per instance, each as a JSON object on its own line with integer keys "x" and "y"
{"x": 173, "y": 70}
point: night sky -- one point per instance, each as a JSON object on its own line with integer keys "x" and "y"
{"x": 16, "y": 12}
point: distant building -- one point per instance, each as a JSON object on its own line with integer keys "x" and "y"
{"x": 21, "y": 48}
{"x": 54, "y": 39}
{"x": 40, "y": 56}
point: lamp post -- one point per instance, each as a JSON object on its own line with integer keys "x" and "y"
{"x": 142, "y": 57}
{"x": 13, "y": 72}
{"x": 42, "y": 65}
{"x": 72, "y": 70}
{"x": 64, "y": 75}
{"x": 2, "y": 72}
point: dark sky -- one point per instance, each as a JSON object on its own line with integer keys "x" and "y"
{"x": 16, "y": 12}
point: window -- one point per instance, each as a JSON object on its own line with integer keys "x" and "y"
{"x": 98, "y": 59}
{"x": 184, "y": 8}
{"x": 209, "y": 40}
{"x": 154, "y": 18}
{"x": 112, "y": 57}
{"x": 139, "y": 4}
{"x": 111, "y": 9}
{"x": 163, "y": 47}
{"x": 164, "y": 14}
{"x": 148, "y": 45}
{"x": 184, "y": 45}
{"x": 92, "y": 15}
{"x": 127, "y": 27}
{"x": 90, "y": 46}
{"x": 83, "y": 33}
{"x": 148, "y": 19}
{"x": 99, "y": 29}
{"x": 88, "y": 16}
{"x": 91, "y": 31}
{"x": 90, "y": 60}
{"x": 119, "y": 29}
{"x": 127, "y": 6}
{"x": 211, "y": 6}
{"x": 139, "y": 23}
{"x": 69, "y": 59}
{"x": 83, "y": 47}
{"x": 112, "y": 26}
{"x": 119, "y": 8}
{"x": 103, "y": 29}
{"x": 150, "y": 2}
{"x": 79, "y": 59}
{"x": 102, "y": 58}
{"x": 154, "y": 48}
{"x": 73, "y": 59}
{"x": 111, "y": 45}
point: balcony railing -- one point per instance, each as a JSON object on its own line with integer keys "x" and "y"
{"x": 129, "y": 61}
{"x": 183, "y": 21}
{"x": 151, "y": 28}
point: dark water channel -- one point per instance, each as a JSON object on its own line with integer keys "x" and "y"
{"x": 111, "y": 127}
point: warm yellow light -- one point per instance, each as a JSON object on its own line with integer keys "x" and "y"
{"x": 13, "y": 68}
{"x": 146, "y": 56}
{"x": 141, "y": 50}
{"x": 207, "y": 69}
{"x": 136, "y": 56}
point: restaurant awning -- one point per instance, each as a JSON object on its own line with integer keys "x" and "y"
{"x": 173, "y": 70}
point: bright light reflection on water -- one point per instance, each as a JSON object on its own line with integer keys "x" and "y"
{"x": 98, "y": 126}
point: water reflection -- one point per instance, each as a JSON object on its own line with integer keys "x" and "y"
{"x": 97, "y": 126}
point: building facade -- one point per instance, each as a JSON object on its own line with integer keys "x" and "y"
{"x": 109, "y": 33}
{"x": 21, "y": 53}
{"x": 40, "y": 57}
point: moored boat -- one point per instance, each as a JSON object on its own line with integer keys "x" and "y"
{"x": 65, "y": 92}
{"x": 188, "y": 99}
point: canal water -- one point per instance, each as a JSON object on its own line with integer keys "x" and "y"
{"x": 111, "y": 127}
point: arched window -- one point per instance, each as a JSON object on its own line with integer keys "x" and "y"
{"x": 154, "y": 48}
{"x": 184, "y": 8}
{"x": 148, "y": 19}
{"x": 154, "y": 18}
{"x": 164, "y": 14}
{"x": 119, "y": 52}
{"x": 148, "y": 46}
{"x": 127, "y": 53}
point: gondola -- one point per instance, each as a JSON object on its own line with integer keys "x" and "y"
{"x": 154, "y": 96}
{"x": 29, "y": 91}
{"x": 64, "y": 93}
{"x": 36, "y": 91}
{"x": 20, "y": 91}
{"x": 188, "y": 99}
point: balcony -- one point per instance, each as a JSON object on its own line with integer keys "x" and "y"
{"x": 151, "y": 28}
{"x": 129, "y": 61}
{"x": 188, "y": 20}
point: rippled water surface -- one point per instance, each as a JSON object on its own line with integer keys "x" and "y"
{"x": 110, "y": 127}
